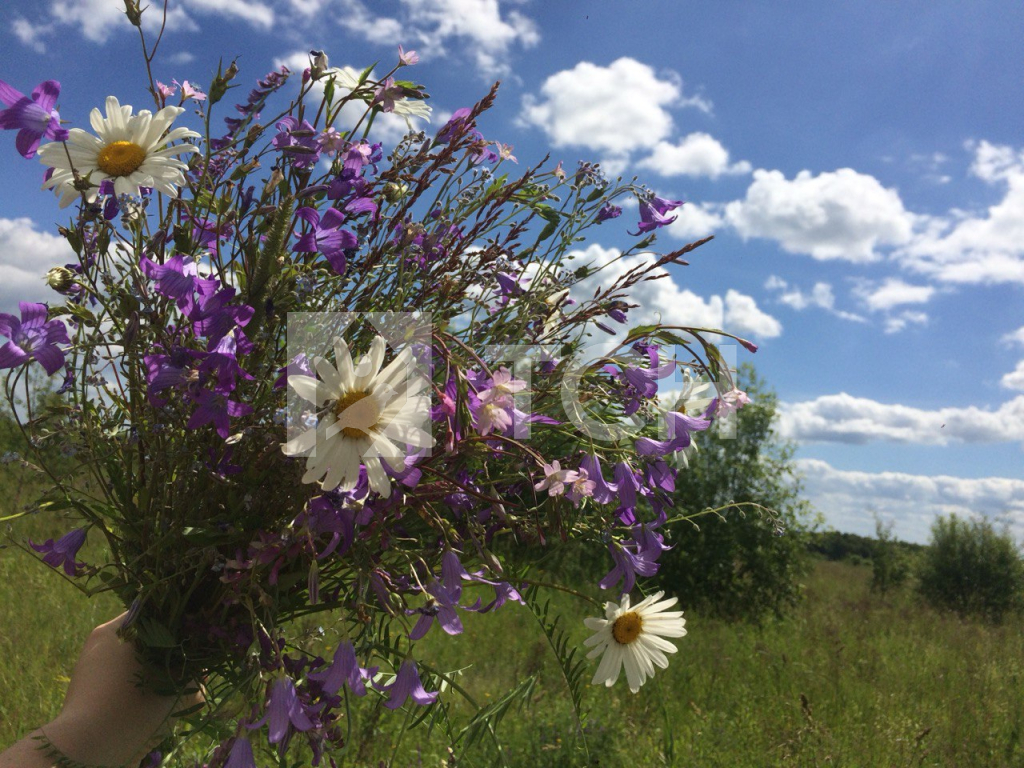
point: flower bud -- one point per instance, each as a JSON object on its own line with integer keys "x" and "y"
{"x": 133, "y": 12}
{"x": 219, "y": 86}
{"x": 394, "y": 192}
{"x": 60, "y": 279}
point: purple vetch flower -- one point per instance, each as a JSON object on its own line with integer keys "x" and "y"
{"x": 63, "y": 551}
{"x": 660, "y": 475}
{"x": 241, "y": 755}
{"x": 653, "y": 214}
{"x": 345, "y": 670}
{"x": 326, "y": 236}
{"x": 32, "y": 338}
{"x": 555, "y": 478}
{"x": 33, "y": 118}
{"x": 441, "y": 607}
{"x": 407, "y": 685}
{"x": 608, "y": 211}
{"x": 284, "y": 709}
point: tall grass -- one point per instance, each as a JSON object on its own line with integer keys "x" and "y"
{"x": 851, "y": 679}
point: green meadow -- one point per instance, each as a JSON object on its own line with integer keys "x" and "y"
{"x": 848, "y": 679}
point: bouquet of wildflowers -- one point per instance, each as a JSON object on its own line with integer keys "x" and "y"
{"x": 305, "y": 372}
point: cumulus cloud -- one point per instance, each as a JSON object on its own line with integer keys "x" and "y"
{"x": 614, "y": 110}
{"x": 1015, "y": 337}
{"x": 819, "y": 296}
{"x": 849, "y": 499}
{"x": 835, "y": 215}
{"x": 892, "y": 292}
{"x": 1014, "y": 379}
{"x": 964, "y": 247}
{"x": 694, "y": 221}
{"x": 844, "y": 418}
{"x": 98, "y": 20}
{"x": 662, "y": 300}
{"x": 698, "y": 154}
{"x": 29, "y": 34}
{"x": 480, "y": 29}
{"x": 26, "y": 254}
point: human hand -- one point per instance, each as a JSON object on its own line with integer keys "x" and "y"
{"x": 108, "y": 719}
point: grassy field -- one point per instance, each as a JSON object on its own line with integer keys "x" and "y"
{"x": 851, "y": 679}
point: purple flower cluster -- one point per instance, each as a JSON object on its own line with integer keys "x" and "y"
{"x": 207, "y": 306}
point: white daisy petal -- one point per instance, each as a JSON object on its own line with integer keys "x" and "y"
{"x": 131, "y": 150}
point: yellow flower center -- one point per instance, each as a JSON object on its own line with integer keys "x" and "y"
{"x": 120, "y": 158}
{"x": 627, "y": 628}
{"x": 359, "y": 412}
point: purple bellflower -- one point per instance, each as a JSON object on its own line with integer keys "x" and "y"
{"x": 32, "y": 338}
{"x": 33, "y": 118}
{"x": 285, "y": 709}
{"x": 326, "y": 236}
{"x": 653, "y": 214}
{"x": 241, "y": 755}
{"x": 603, "y": 492}
{"x": 345, "y": 670}
{"x": 63, "y": 551}
{"x": 407, "y": 685}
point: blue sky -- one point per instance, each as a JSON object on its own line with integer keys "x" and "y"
{"x": 861, "y": 166}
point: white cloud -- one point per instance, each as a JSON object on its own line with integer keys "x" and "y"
{"x": 900, "y": 321}
{"x": 257, "y": 14}
{"x": 663, "y": 301}
{"x": 820, "y": 296}
{"x": 614, "y": 110}
{"x": 962, "y": 247}
{"x": 847, "y": 419}
{"x": 478, "y": 28}
{"x": 1014, "y": 379}
{"x": 912, "y": 502}
{"x": 26, "y": 254}
{"x": 29, "y": 34}
{"x": 742, "y": 316}
{"x": 1015, "y": 337}
{"x": 698, "y": 154}
{"x": 97, "y": 20}
{"x": 892, "y": 293}
{"x": 694, "y": 221}
{"x": 834, "y": 215}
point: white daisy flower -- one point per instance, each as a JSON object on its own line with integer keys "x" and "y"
{"x": 634, "y": 638}
{"x": 369, "y": 414}
{"x": 132, "y": 151}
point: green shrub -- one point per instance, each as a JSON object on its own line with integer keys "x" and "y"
{"x": 890, "y": 565}
{"x": 742, "y": 564}
{"x": 972, "y": 568}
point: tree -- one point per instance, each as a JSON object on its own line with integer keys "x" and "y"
{"x": 744, "y": 562}
{"x": 972, "y": 568}
{"x": 890, "y": 565}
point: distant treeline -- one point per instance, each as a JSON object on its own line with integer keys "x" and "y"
{"x": 835, "y": 545}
